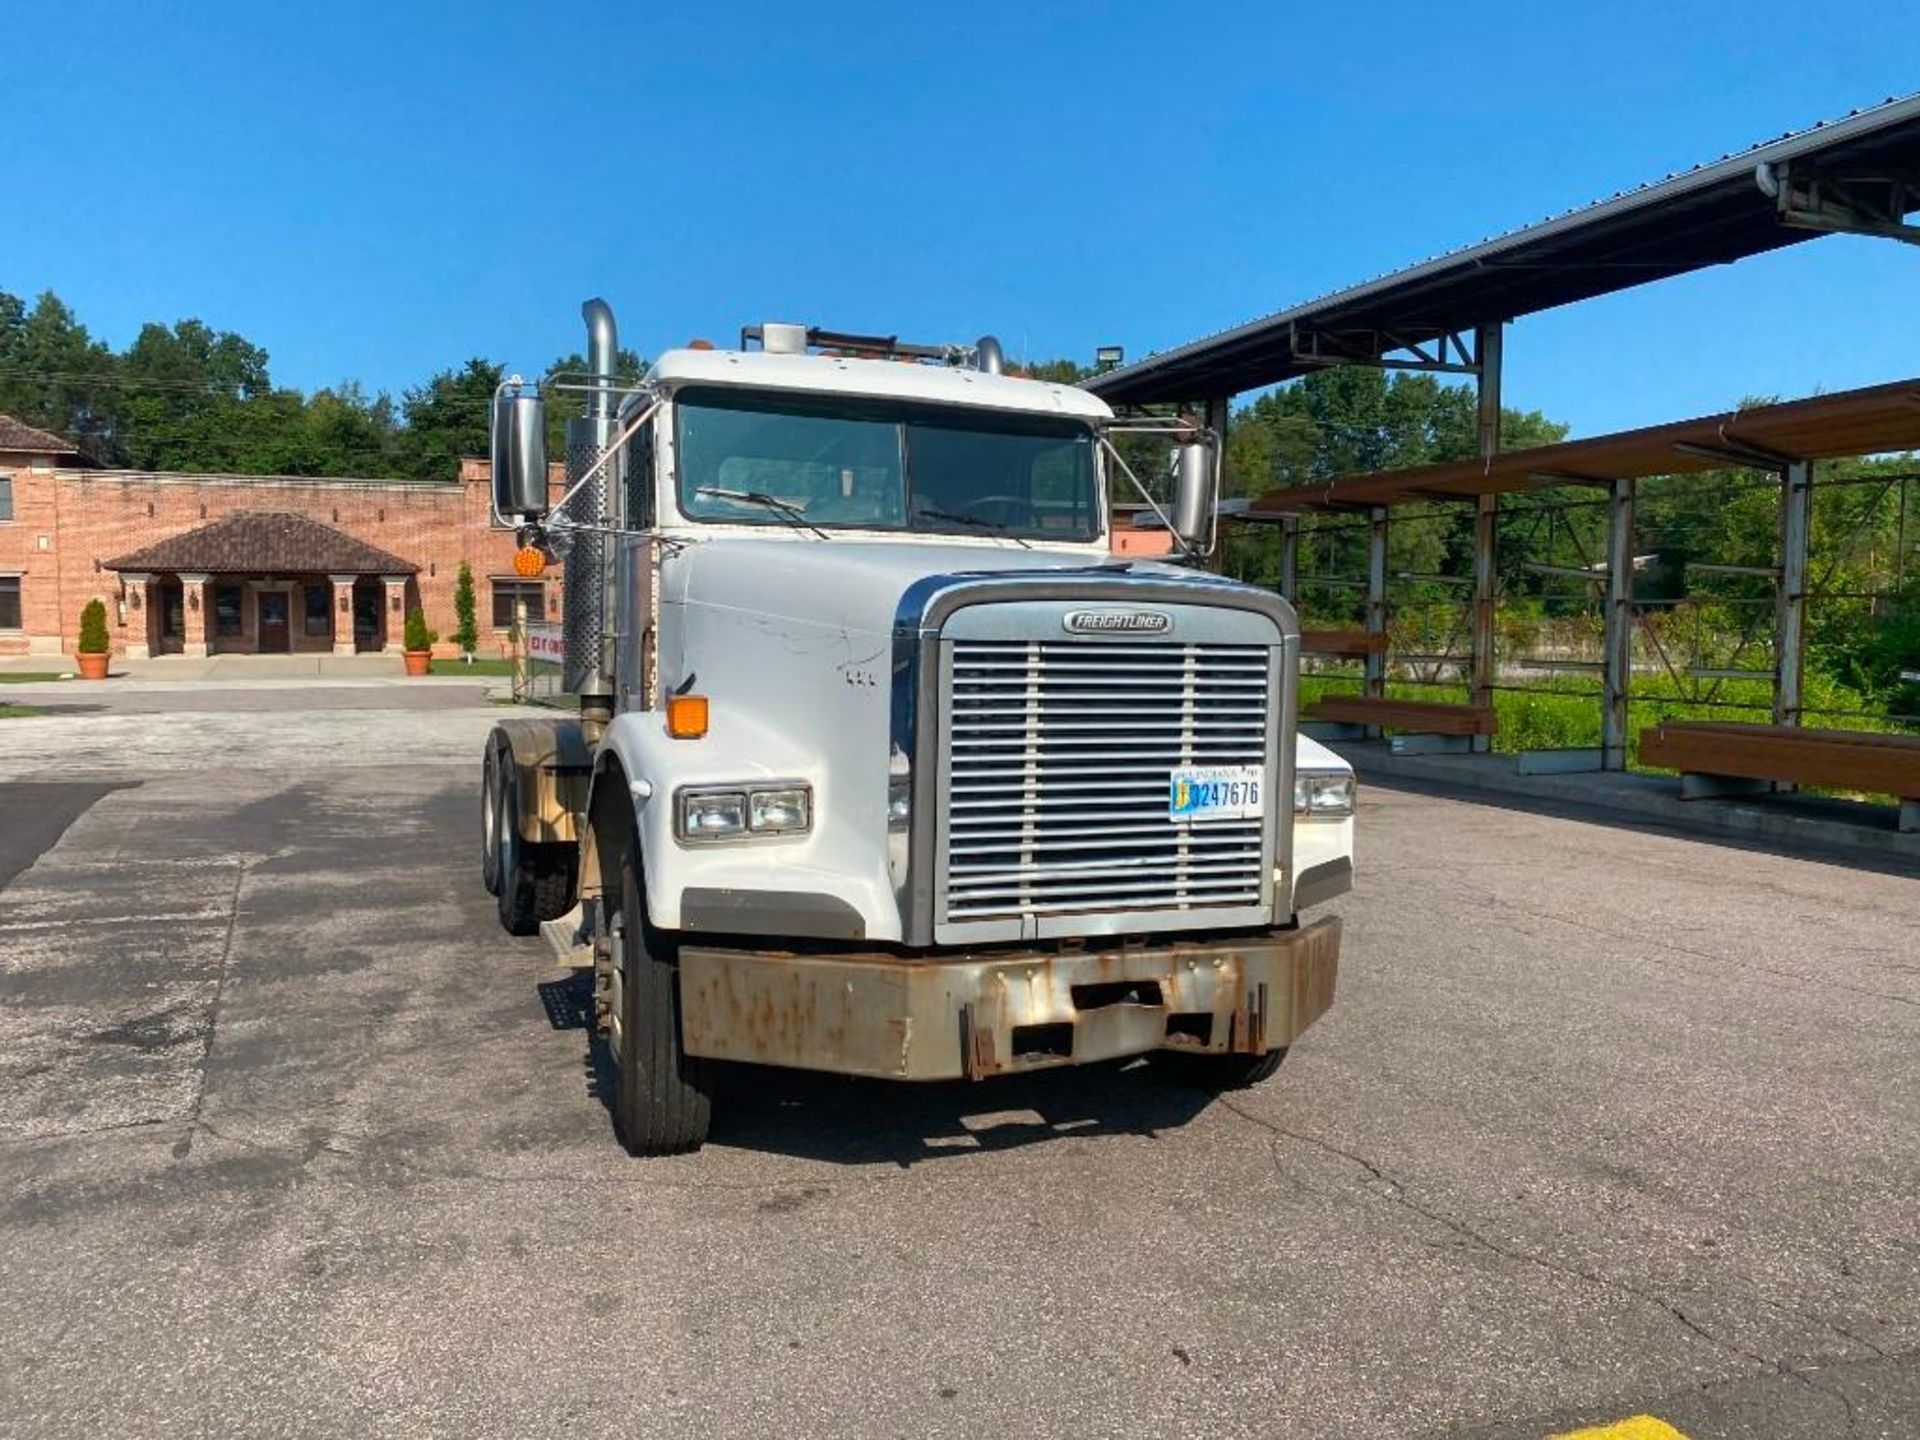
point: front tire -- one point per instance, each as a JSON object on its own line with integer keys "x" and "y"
{"x": 662, "y": 1101}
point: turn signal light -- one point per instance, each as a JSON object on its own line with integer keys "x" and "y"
{"x": 528, "y": 562}
{"x": 686, "y": 716}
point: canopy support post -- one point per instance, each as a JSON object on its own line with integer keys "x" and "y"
{"x": 1790, "y": 600}
{"x": 1486, "y": 512}
{"x": 1617, "y": 667}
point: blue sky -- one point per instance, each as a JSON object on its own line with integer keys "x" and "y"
{"x": 380, "y": 191}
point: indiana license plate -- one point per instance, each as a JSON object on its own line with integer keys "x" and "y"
{"x": 1216, "y": 792}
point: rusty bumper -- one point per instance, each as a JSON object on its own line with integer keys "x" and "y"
{"x": 908, "y": 1018}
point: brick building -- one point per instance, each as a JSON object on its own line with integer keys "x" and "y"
{"x": 210, "y": 564}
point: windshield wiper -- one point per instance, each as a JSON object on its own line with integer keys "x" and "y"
{"x": 979, "y": 522}
{"x": 785, "y": 509}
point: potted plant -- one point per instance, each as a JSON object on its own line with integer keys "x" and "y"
{"x": 94, "y": 647}
{"x": 419, "y": 646}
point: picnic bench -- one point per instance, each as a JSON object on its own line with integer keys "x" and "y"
{"x": 1729, "y": 757}
{"x": 1343, "y": 642}
{"x": 1420, "y": 717}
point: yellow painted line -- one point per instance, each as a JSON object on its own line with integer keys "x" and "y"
{"x": 1634, "y": 1427}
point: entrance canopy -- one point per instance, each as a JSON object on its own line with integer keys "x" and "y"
{"x": 1859, "y": 175}
{"x": 263, "y": 542}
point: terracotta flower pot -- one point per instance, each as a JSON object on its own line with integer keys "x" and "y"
{"x": 93, "y": 665}
{"x": 417, "y": 661}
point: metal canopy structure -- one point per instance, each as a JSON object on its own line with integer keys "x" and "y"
{"x": 1872, "y": 421}
{"x": 1859, "y": 174}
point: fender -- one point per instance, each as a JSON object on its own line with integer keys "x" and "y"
{"x": 553, "y": 764}
{"x": 833, "y": 870}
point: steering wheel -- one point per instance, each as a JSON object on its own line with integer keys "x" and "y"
{"x": 1015, "y": 511}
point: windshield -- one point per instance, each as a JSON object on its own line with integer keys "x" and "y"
{"x": 754, "y": 458}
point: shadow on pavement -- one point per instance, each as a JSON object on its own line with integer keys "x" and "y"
{"x": 847, "y": 1120}
{"x": 1617, "y": 818}
{"x": 36, "y": 816}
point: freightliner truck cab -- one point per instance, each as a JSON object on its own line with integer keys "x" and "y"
{"x": 877, "y": 760}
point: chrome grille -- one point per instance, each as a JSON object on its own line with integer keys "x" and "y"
{"x": 1058, "y": 755}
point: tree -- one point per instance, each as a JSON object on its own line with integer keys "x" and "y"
{"x": 466, "y": 630}
{"x": 447, "y": 420}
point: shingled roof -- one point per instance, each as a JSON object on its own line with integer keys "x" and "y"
{"x": 270, "y": 542}
{"x": 18, "y": 435}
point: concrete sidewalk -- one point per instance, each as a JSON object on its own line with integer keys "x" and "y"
{"x": 1782, "y": 821}
{"x": 234, "y": 667}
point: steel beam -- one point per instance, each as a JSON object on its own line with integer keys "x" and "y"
{"x": 1486, "y": 511}
{"x": 1616, "y": 679}
{"x": 1290, "y": 559}
{"x": 1790, "y": 601}
{"x": 1219, "y": 413}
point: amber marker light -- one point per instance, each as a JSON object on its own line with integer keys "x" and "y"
{"x": 687, "y": 716}
{"x": 528, "y": 562}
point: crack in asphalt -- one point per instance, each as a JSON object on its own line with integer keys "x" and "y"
{"x": 183, "y": 1147}
{"x": 1396, "y": 1192}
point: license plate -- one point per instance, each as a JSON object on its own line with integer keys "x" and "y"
{"x": 1217, "y": 792}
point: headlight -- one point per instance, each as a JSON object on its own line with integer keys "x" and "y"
{"x": 779, "y": 812}
{"x": 1323, "y": 794}
{"x": 735, "y": 813}
{"x": 712, "y": 814}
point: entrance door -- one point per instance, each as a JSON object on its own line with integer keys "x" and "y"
{"x": 273, "y": 622}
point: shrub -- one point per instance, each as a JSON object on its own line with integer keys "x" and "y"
{"x": 466, "y": 631}
{"x": 93, "y": 628}
{"x": 419, "y": 637}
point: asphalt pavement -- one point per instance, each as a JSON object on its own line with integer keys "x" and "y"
{"x": 294, "y": 1140}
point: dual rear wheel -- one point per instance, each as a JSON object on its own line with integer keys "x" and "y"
{"x": 531, "y": 882}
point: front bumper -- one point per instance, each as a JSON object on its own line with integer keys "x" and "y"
{"x": 913, "y": 1018}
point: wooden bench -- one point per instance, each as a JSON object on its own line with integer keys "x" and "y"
{"x": 1343, "y": 642}
{"x": 1420, "y": 717}
{"x": 1726, "y": 757}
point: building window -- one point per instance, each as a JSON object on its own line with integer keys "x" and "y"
{"x": 6, "y": 497}
{"x": 9, "y": 602}
{"x": 507, "y": 592}
{"x": 319, "y": 610}
{"x": 226, "y": 610}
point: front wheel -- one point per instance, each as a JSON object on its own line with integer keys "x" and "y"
{"x": 662, "y": 1101}
{"x": 1217, "y": 1073}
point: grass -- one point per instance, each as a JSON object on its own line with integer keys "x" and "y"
{"x": 17, "y": 712}
{"x": 1565, "y": 713}
{"x": 27, "y": 677}
{"x": 482, "y": 665}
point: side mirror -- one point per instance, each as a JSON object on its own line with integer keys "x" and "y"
{"x": 1196, "y": 486}
{"x": 520, "y": 455}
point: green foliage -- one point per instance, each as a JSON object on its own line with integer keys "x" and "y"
{"x": 466, "y": 630}
{"x": 418, "y": 636}
{"x": 93, "y": 628}
{"x": 189, "y": 397}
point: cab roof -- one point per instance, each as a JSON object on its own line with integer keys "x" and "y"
{"x": 891, "y": 379}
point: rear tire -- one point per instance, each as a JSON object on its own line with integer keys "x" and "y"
{"x": 536, "y": 881}
{"x": 490, "y": 820}
{"x": 1217, "y": 1073}
{"x": 662, "y": 1101}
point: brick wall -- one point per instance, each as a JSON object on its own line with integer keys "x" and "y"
{"x": 67, "y": 523}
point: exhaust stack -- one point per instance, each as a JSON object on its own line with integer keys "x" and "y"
{"x": 588, "y": 671}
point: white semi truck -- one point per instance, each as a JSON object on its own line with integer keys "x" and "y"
{"x": 877, "y": 759}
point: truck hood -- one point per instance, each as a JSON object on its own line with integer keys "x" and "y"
{"x": 857, "y": 586}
